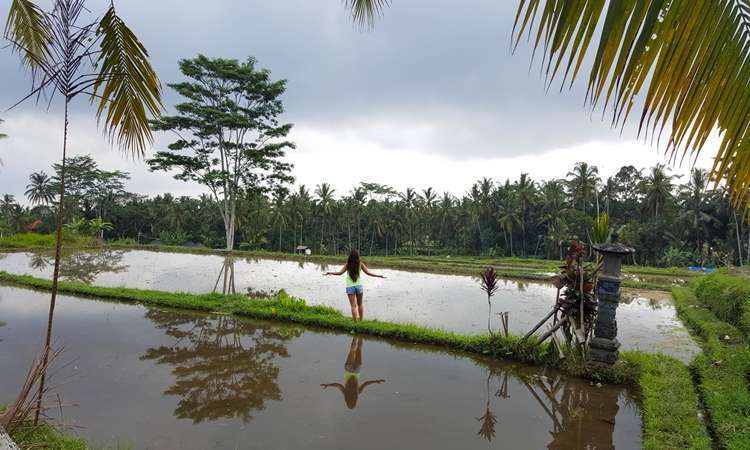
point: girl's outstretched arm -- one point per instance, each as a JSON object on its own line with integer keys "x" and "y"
{"x": 338, "y": 386}
{"x": 367, "y": 271}
{"x": 367, "y": 383}
{"x": 343, "y": 269}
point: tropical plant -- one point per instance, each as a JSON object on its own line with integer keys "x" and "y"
{"x": 687, "y": 60}
{"x": 488, "y": 281}
{"x": 584, "y": 179}
{"x": 100, "y": 58}
{"x": 657, "y": 189}
{"x": 2, "y": 135}
{"x": 40, "y": 190}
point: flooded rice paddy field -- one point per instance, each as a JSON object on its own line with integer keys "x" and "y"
{"x": 144, "y": 377}
{"x": 646, "y": 319}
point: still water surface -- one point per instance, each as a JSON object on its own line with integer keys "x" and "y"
{"x": 646, "y": 319}
{"x": 155, "y": 378}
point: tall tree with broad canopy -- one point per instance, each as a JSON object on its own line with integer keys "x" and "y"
{"x": 229, "y": 138}
{"x": 72, "y": 53}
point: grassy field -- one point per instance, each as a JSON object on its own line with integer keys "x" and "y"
{"x": 670, "y": 404}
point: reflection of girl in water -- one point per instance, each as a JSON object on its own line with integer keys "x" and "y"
{"x": 351, "y": 387}
{"x": 354, "y": 290}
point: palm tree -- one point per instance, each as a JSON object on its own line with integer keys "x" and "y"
{"x": 279, "y": 214}
{"x": 667, "y": 50}
{"x": 657, "y": 189}
{"x": 100, "y": 59}
{"x": 553, "y": 209}
{"x": 693, "y": 206}
{"x": 662, "y": 52}
{"x": 525, "y": 194}
{"x": 409, "y": 201}
{"x": 583, "y": 183}
{"x": 2, "y": 135}
{"x": 509, "y": 217}
{"x": 40, "y": 190}
{"x": 324, "y": 191}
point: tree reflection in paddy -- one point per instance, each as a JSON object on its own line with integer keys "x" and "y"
{"x": 80, "y": 266}
{"x": 224, "y": 367}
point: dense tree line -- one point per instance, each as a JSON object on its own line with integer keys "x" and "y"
{"x": 670, "y": 221}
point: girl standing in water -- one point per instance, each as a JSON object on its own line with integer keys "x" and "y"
{"x": 354, "y": 290}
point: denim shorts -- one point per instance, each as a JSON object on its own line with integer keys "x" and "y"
{"x": 351, "y": 290}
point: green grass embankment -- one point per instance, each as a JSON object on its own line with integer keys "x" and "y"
{"x": 721, "y": 372}
{"x": 670, "y": 405}
{"x": 37, "y": 241}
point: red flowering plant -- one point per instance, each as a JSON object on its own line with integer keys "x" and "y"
{"x": 489, "y": 284}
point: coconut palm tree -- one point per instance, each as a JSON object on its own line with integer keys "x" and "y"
{"x": 666, "y": 53}
{"x": 279, "y": 214}
{"x": 324, "y": 191}
{"x": 694, "y": 209}
{"x": 687, "y": 60}
{"x": 583, "y": 183}
{"x": 73, "y": 55}
{"x": 657, "y": 189}
{"x": 525, "y": 194}
{"x": 40, "y": 190}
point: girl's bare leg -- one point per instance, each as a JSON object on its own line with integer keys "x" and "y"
{"x": 353, "y": 304}
{"x": 360, "y": 306}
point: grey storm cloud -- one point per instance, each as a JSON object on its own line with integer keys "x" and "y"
{"x": 436, "y": 75}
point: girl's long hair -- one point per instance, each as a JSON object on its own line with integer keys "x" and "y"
{"x": 352, "y": 265}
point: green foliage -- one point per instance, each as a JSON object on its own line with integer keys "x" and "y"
{"x": 721, "y": 371}
{"x": 83, "y": 227}
{"x": 687, "y": 61}
{"x": 46, "y": 436}
{"x": 101, "y": 59}
{"x": 43, "y": 241}
{"x": 600, "y": 231}
{"x": 230, "y": 140}
{"x": 728, "y": 297}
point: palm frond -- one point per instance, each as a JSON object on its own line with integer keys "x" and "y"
{"x": 687, "y": 63}
{"x": 28, "y": 29}
{"x": 127, "y": 86}
{"x": 364, "y": 12}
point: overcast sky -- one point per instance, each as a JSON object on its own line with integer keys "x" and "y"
{"x": 431, "y": 97}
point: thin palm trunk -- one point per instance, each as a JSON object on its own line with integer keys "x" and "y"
{"x": 56, "y": 272}
{"x": 737, "y": 230}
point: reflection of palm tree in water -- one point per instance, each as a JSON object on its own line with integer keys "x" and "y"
{"x": 351, "y": 387}
{"x": 223, "y": 367}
